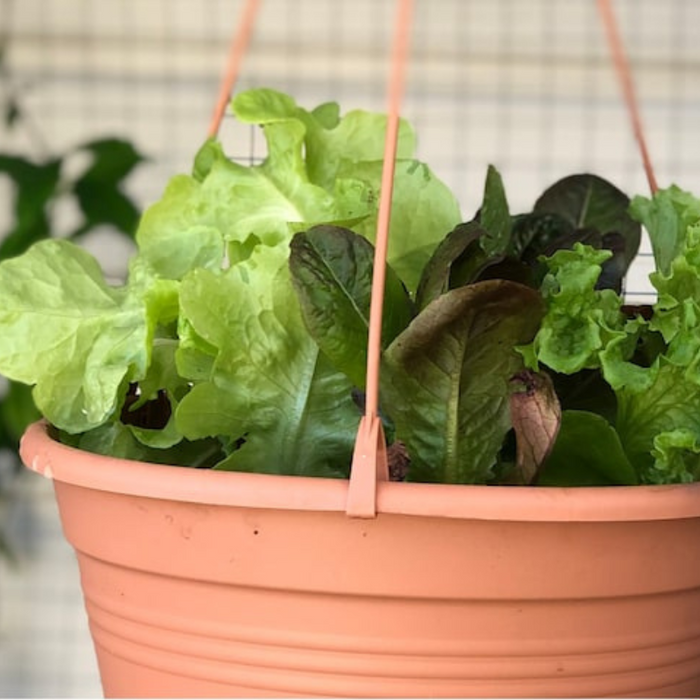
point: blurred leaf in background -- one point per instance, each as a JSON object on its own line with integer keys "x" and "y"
{"x": 99, "y": 189}
{"x": 40, "y": 181}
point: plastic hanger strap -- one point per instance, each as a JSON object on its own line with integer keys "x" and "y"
{"x": 239, "y": 46}
{"x": 369, "y": 463}
{"x": 625, "y": 76}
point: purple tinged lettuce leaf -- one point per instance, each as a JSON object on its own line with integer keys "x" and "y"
{"x": 332, "y": 271}
{"x": 535, "y": 413}
{"x": 446, "y": 378}
{"x": 459, "y": 254}
{"x": 589, "y": 202}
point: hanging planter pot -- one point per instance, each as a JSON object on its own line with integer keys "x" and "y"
{"x": 241, "y": 346}
{"x": 199, "y": 583}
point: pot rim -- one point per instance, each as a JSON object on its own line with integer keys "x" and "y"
{"x": 43, "y": 454}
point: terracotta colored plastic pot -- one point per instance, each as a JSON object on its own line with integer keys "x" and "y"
{"x": 199, "y": 583}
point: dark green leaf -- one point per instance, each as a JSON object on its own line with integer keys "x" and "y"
{"x": 534, "y": 233}
{"x": 456, "y": 261}
{"x": 117, "y": 440}
{"x": 494, "y": 215}
{"x": 446, "y": 378}
{"x": 98, "y": 189}
{"x": 586, "y": 391}
{"x": 507, "y": 269}
{"x": 332, "y": 273}
{"x": 588, "y": 452}
{"x": 161, "y": 388}
{"x": 13, "y": 113}
{"x": 590, "y": 202}
{"x": 17, "y": 411}
{"x": 36, "y": 185}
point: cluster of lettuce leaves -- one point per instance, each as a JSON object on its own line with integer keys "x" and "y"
{"x": 239, "y": 339}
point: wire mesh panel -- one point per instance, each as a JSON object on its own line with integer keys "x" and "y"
{"x": 527, "y": 86}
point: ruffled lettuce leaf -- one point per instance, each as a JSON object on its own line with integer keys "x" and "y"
{"x": 667, "y": 216}
{"x": 677, "y": 311}
{"x": 658, "y": 395}
{"x": 76, "y": 339}
{"x": 581, "y": 321}
{"x": 676, "y": 456}
{"x": 671, "y": 401}
{"x": 343, "y": 156}
{"x": 180, "y": 232}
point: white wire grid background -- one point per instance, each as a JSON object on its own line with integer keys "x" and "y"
{"x": 524, "y": 84}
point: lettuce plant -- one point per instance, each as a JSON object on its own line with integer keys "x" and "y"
{"x": 239, "y": 339}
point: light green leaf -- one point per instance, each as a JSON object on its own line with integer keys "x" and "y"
{"x": 181, "y": 231}
{"x": 327, "y": 114}
{"x": 329, "y": 139}
{"x": 64, "y": 330}
{"x": 670, "y": 403}
{"x": 666, "y": 217}
{"x": 263, "y": 106}
{"x": 194, "y": 357}
{"x": 162, "y": 376}
{"x": 424, "y": 210}
{"x": 677, "y": 311}
{"x": 358, "y": 136}
{"x": 581, "y": 321}
{"x": 269, "y": 385}
{"x": 228, "y": 202}
{"x": 345, "y": 163}
{"x": 676, "y": 458}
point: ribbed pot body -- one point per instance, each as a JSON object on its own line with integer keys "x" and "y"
{"x": 228, "y": 598}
